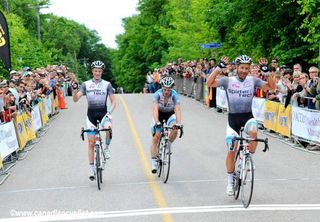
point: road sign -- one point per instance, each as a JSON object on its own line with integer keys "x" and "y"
{"x": 211, "y": 45}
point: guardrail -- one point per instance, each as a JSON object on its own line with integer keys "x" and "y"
{"x": 19, "y": 136}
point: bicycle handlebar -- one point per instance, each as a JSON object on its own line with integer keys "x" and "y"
{"x": 179, "y": 127}
{"x": 265, "y": 141}
{"x": 93, "y": 130}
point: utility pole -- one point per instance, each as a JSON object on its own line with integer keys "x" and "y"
{"x": 38, "y": 22}
{"x": 37, "y": 8}
{"x": 6, "y": 6}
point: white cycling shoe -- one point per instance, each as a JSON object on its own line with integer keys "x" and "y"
{"x": 107, "y": 154}
{"x": 92, "y": 173}
{"x": 154, "y": 166}
{"x": 230, "y": 190}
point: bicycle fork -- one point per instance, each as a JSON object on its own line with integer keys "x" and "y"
{"x": 99, "y": 151}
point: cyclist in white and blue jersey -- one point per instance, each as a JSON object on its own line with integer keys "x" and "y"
{"x": 97, "y": 91}
{"x": 240, "y": 92}
{"x": 166, "y": 107}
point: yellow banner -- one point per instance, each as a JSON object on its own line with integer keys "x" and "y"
{"x": 44, "y": 116}
{"x": 54, "y": 103}
{"x": 29, "y": 127}
{"x": 270, "y": 115}
{"x": 284, "y": 121}
{"x": 21, "y": 131}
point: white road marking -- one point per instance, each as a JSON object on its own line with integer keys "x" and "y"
{"x": 159, "y": 182}
{"x": 160, "y": 211}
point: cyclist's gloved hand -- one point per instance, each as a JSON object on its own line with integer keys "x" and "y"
{"x": 75, "y": 85}
{"x": 178, "y": 126}
{"x": 223, "y": 62}
{"x": 264, "y": 65}
{"x": 158, "y": 125}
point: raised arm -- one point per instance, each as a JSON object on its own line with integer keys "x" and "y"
{"x": 270, "y": 84}
{"x": 212, "y": 79}
{"x": 76, "y": 94}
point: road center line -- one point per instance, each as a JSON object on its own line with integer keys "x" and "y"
{"x": 145, "y": 163}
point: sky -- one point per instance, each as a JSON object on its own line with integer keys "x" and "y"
{"x": 104, "y": 16}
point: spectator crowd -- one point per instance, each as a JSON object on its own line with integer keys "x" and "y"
{"x": 26, "y": 88}
{"x": 295, "y": 85}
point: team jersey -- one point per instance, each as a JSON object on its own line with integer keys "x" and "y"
{"x": 240, "y": 93}
{"x": 97, "y": 94}
{"x": 173, "y": 100}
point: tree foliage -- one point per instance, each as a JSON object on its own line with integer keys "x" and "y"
{"x": 62, "y": 40}
{"x": 165, "y": 30}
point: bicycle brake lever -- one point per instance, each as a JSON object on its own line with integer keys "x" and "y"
{"x": 181, "y": 132}
{"x": 82, "y": 137}
{"x": 266, "y": 145}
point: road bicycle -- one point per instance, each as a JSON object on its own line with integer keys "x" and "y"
{"x": 164, "y": 151}
{"x": 243, "y": 178}
{"x": 99, "y": 157}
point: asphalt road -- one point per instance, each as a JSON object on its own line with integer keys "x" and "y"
{"x": 52, "y": 181}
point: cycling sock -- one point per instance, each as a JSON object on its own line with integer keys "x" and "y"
{"x": 108, "y": 141}
{"x": 230, "y": 178}
{"x": 91, "y": 164}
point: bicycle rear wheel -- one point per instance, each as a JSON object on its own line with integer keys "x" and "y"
{"x": 98, "y": 166}
{"x": 166, "y": 159}
{"x": 247, "y": 181}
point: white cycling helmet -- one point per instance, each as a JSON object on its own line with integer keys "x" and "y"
{"x": 167, "y": 82}
{"x": 243, "y": 59}
{"x": 98, "y": 64}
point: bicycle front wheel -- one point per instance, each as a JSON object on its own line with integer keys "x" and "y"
{"x": 159, "y": 157}
{"x": 166, "y": 158}
{"x": 247, "y": 181}
{"x": 236, "y": 176}
{"x": 98, "y": 166}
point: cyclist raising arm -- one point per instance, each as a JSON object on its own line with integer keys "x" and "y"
{"x": 97, "y": 91}
{"x": 166, "y": 107}
{"x": 240, "y": 92}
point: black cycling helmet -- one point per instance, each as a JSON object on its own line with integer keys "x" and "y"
{"x": 167, "y": 81}
{"x": 98, "y": 64}
{"x": 243, "y": 59}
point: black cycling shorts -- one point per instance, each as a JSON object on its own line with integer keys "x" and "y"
{"x": 238, "y": 120}
{"x": 94, "y": 115}
{"x": 164, "y": 116}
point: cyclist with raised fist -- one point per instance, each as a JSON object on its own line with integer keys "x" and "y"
{"x": 240, "y": 93}
{"x": 97, "y": 92}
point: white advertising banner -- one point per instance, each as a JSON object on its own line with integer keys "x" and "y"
{"x": 306, "y": 124}
{"x": 48, "y": 104}
{"x": 36, "y": 117}
{"x": 8, "y": 139}
{"x": 221, "y": 98}
{"x": 258, "y": 108}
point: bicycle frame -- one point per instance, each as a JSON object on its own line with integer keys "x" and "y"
{"x": 99, "y": 157}
{"x": 164, "y": 151}
{"x": 245, "y": 168}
